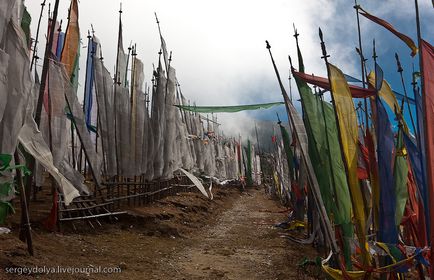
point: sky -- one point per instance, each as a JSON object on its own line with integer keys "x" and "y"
{"x": 219, "y": 46}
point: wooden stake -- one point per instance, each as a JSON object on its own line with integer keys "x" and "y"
{"x": 25, "y": 231}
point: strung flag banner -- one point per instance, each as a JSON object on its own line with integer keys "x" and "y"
{"x": 228, "y": 109}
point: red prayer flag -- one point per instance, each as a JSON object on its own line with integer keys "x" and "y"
{"x": 51, "y": 221}
{"x": 356, "y": 92}
{"x": 362, "y": 174}
{"x": 427, "y": 70}
{"x": 407, "y": 40}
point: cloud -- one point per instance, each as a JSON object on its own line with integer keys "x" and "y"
{"x": 219, "y": 46}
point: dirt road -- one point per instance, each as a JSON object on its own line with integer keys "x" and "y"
{"x": 242, "y": 244}
{"x": 180, "y": 237}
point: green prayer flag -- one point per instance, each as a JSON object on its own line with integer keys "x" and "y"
{"x": 318, "y": 151}
{"x": 25, "y": 25}
{"x": 323, "y": 145}
{"x": 325, "y": 154}
{"x": 74, "y": 77}
{"x": 7, "y": 187}
{"x": 288, "y": 151}
{"x": 400, "y": 174}
{"x": 228, "y": 109}
{"x": 342, "y": 193}
{"x": 300, "y": 59}
{"x": 5, "y": 161}
{"x": 5, "y": 209}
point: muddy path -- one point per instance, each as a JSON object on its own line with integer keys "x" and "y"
{"x": 180, "y": 237}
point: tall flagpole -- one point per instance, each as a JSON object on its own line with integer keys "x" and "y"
{"x": 290, "y": 87}
{"x": 99, "y": 124}
{"x": 321, "y": 96}
{"x": 45, "y": 67}
{"x": 72, "y": 125}
{"x": 35, "y": 56}
{"x": 116, "y": 84}
{"x": 259, "y": 154}
{"x": 128, "y": 62}
{"x": 362, "y": 61}
{"x": 257, "y": 139}
{"x": 325, "y": 56}
{"x": 430, "y": 177}
{"x": 400, "y": 70}
{"x": 429, "y": 196}
{"x": 93, "y": 54}
{"x": 161, "y": 38}
{"x": 42, "y": 86}
{"x": 26, "y": 230}
{"x": 133, "y": 105}
{"x": 86, "y": 81}
{"x": 311, "y": 176}
{"x": 419, "y": 36}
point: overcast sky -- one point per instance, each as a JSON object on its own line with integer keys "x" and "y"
{"x": 219, "y": 46}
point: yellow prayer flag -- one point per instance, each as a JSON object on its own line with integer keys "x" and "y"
{"x": 347, "y": 119}
{"x": 388, "y": 96}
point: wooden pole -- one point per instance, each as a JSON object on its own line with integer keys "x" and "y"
{"x": 89, "y": 45}
{"x": 311, "y": 176}
{"x": 290, "y": 86}
{"x": 117, "y": 82}
{"x": 73, "y": 146}
{"x": 44, "y": 76}
{"x": 25, "y": 231}
{"x": 324, "y": 119}
{"x": 128, "y": 62}
{"x": 35, "y": 56}
{"x": 73, "y": 122}
{"x": 45, "y": 67}
{"x": 161, "y": 38}
{"x": 362, "y": 61}
{"x": 133, "y": 95}
{"x": 400, "y": 70}
{"x": 98, "y": 109}
{"x": 73, "y": 150}
{"x": 430, "y": 176}
{"x": 325, "y": 56}
{"x": 259, "y": 153}
{"x": 416, "y": 91}
{"x": 257, "y": 139}
{"x": 167, "y": 81}
{"x": 133, "y": 114}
